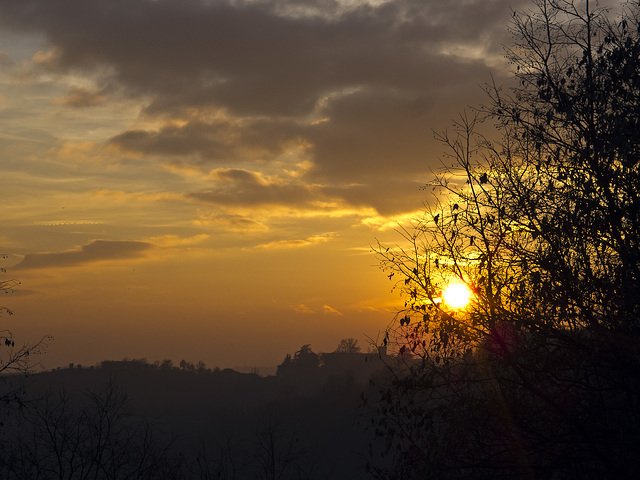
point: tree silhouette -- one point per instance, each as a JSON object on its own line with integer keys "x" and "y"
{"x": 15, "y": 358}
{"x": 62, "y": 437}
{"x": 348, "y": 345}
{"x": 286, "y": 366}
{"x": 278, "y": 453}
{"x": 540, "y": 374}
{"x": 305, "y": 361}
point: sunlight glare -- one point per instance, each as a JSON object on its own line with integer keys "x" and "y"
{"x": 457, "y": 295}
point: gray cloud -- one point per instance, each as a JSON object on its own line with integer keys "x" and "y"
{"x": 370, "y": 132}
{"x": 379, "y": 79}
{"x": 237, "y": 187}
{"x": 237, "y": 223}
{"x": 221, "y": 140}
{"x": 244, "y": 188}
{"x": 82, "y": 98}
{"x": 250, "y": 57}
{"x": 386, "y": 196}
{"x": 95, "y": 251}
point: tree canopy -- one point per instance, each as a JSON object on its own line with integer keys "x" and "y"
{"x": 540, "y": 374}
{"x": 348, "y": 345}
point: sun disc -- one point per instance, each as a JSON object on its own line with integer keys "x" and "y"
{"x": 457, "y": 295}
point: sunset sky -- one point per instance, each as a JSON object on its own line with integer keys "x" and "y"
{"x": 202, "y": 179}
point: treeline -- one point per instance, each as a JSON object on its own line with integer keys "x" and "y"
{"x": 347, "y": 351}
{"x": 199, "y": 367}
{"x": 134, "y": 419}
{"x": 94, "y": 434}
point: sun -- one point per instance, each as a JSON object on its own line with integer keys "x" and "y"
{"x": 457, "y": 295}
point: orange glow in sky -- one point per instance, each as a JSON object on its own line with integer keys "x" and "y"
{"x": 210, "y": 191}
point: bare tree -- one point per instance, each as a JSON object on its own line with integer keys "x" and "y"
{"x": 348, "y": 345}
{"x": 61, "y": 437}
{"x": 15, "y": 358}
{"x": 278, "y": 452}
{"x": 540, "y": 374}
{"x": 218, "y": 463}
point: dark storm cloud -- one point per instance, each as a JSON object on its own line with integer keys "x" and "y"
{"x": 95, "y": 251}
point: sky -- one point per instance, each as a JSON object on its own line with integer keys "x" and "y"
{"x": 203, "y": 179}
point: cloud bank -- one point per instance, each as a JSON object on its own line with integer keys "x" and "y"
{"x": 97, "y": 250}
{"x": 353, "y": 88}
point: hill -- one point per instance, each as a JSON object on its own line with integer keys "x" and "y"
{"x": 221, "y": 423}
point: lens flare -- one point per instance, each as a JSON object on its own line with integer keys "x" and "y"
{"x": 457, "y": 295}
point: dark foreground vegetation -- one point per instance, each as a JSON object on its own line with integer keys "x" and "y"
{"x": 539, "y": 377}
{"x": 135, "y": 420}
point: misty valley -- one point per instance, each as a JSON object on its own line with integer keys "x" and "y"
{"x": 140, "y": 420}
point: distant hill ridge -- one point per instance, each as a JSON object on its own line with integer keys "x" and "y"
{"x": 319, "y": 406}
